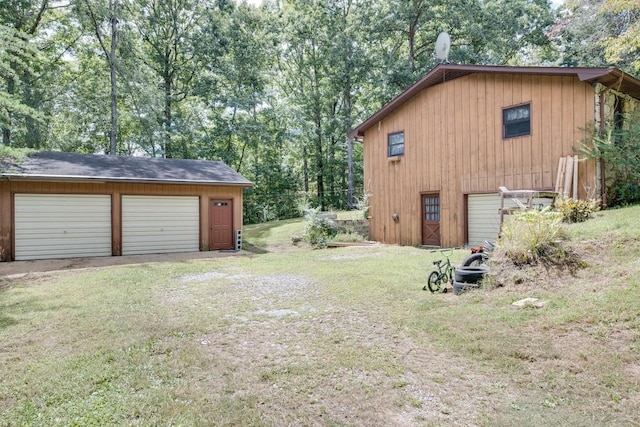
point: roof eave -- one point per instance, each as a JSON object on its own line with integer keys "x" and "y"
{"x": 102, "y": 179}
{"x": 590, "y": 75}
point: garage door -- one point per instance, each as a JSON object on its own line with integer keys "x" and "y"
{"x": 62, "y": 226}
{"x": 160, "y": 224}
{"x": 483, "y": 215}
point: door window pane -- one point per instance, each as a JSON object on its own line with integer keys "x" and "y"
{"x": 432, "y": 208}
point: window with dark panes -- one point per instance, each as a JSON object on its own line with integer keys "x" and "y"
{"x": 516, "y": 121}
{"x": 395, "y": 144}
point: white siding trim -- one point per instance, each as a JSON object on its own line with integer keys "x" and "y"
{"x": 160, "y": 224}
{"x": 62, "y": 226}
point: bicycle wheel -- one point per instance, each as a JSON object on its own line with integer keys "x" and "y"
{"x": 450, "y": 273}
{"x": 434, "y": 282}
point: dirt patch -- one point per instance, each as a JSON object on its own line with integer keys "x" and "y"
{"x": 301, "y": 355}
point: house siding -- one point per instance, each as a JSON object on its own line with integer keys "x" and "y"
{"x": 454, "y": 146}
{"x": 116, "y": 190}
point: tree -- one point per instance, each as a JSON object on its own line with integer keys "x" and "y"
{"x": 15, "y": 63}
{"x": 19, "y": 23}
{"x": 97, "y": 15}
{"x": 169, "y": 30}
{"x": 625, "y": 47}
{"x": 599, "y": 33}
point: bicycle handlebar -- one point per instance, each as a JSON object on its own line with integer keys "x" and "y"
{"x": 447, "y": 252}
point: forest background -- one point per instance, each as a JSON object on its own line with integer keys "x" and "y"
{"x": 270, "y": 89}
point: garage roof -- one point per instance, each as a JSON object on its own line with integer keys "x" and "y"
{"x": 608, "y": 76}
{"x": 59, "y": 166}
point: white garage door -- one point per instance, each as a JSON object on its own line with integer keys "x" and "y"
{"x": 160, "y": 224}
{"x": 62, "y": 226}
{"x": 483, "y": 215}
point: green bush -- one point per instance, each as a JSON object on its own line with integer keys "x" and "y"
{"x": 618, "y": 148}
{"x": 576, "y": 210}
{"x": 348, "y": 236}
{"x": 318, "y": 231}
{"x": 532, "y": 236}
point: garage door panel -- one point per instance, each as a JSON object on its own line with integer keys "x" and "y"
{"x": 483, "y": 215}
{"x": 160, "y": 224}
{"x": 62, "y": 226}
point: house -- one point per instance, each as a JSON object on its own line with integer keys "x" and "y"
{"x": 63, "y": 205}
{"x": 436, "y": 155}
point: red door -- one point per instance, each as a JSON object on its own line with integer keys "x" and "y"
{"x": 431, "y": 219}
{"x": 221, "y": 224}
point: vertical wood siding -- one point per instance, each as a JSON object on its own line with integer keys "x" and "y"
{"x": 205, "y": 192}
{"x": 454, "y": 146}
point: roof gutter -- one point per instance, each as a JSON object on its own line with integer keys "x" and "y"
{"x": 101, "y": 179}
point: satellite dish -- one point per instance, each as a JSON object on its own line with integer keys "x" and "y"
{"x": 443, "y": 44}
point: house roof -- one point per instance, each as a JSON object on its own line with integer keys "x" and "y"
{"x": 445, "y": 72}
{"x": 59, "y": 166}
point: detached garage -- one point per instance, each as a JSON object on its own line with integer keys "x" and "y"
{"x": 63, "y": 205}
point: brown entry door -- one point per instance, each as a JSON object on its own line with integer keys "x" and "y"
{"x": 221, "y": 224}
{"x": 431, "y": 219}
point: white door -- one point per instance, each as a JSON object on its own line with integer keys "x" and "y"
{"x": 483, "y": 216}
{"x": 160, "y": 224}
{"x": 62, "y": 226}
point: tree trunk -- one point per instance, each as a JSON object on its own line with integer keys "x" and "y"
{"x": 166, "y": 125}
{"x": 113, "y": 135}
{"x": 11, "y": 88}
{"x": 349, "y": 141}
{"x": 305, "y": 169}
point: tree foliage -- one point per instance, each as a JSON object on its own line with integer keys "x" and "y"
{"x": 620, "y": 150}
{"x": 600, "y": 33}
{"x": 270, "y": 90}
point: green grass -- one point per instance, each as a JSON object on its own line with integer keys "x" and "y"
{"x": 346, "y": 336}
{"x": 272, "y": 234}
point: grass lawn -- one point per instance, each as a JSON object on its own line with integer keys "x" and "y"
{"x": 335, "y": 337}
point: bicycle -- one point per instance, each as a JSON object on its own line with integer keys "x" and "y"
{"x": 443, "y": 274}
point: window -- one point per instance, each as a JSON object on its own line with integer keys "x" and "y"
{"x": 395, "y": 144}
{"x": 516, "y": 121}
{"x": 432, "y": 208}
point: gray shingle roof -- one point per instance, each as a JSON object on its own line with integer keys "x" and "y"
{"x": 54, "y": 165}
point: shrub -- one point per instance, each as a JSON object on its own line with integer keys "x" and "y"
{"x": 363, "y": 205}
{"x": 532, "y": 236}
{"x": 619, "y": 148}
{"x": 318, "y": 230}
{"x": 576, "y": 210}
{"x": 348, "y": 236}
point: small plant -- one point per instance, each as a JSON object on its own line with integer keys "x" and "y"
{"x": 363, "y": 205}
{"x": 532, "y": 236}
{"x": 318, "y": 230}
{"x": 348, "y": 236}
{"x": 576, "y": 210}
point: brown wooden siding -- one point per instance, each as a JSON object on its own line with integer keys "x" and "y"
{"x": 116, "y": 190}
{"x": 454, "y": 146}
